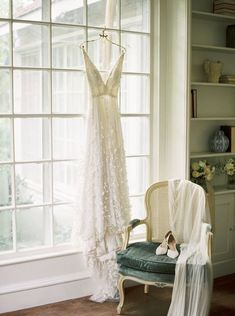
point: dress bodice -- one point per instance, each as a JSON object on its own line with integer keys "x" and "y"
{"x": 97, "y": 85}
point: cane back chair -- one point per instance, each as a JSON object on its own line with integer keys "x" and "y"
{"x": 138, "y": 261}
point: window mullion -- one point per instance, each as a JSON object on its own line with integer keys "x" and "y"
{"x": 51, "y": 225}
{"x": 13, "y": 171}
{"x": 86, "y": 23}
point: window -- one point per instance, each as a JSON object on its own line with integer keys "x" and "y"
{"x": 43, "y": 95}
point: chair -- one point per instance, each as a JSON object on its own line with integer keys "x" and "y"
{"x": 138, "y": 261}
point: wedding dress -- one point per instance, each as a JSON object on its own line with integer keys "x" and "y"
{"x": 105, "y": 203}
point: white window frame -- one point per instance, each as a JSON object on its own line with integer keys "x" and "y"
{"x": 45, "y": 251}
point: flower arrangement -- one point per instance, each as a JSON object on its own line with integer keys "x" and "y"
{"x": 229, "y": 167}
{"x": 229, "y": 170}
{"x": 201, "y": 172}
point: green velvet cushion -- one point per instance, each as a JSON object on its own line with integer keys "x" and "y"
{"x": 147, "y": 276}
{"x": 141, "y": 256}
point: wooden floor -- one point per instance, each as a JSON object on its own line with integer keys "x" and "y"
{"x": 156, "y": 303}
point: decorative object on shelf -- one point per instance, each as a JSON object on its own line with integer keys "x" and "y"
{"x": 231, "y": 182}
{"x": 227, "y": 79}
{"x": 225, "y": 7}
{"x": 219, "y": 142}
{"x": 193, "y": 102}
{"x": 213, "y": 70}
{"x": 229, "y": 169}
{"x": 201, "y": 172}
{"x": 229, "y": 131}
{"x": 230, "y": 36}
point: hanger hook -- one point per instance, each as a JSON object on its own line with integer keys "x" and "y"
{"x": 103, "y": 35}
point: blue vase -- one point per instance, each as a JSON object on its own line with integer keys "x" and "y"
{"x": 220, "y": 142}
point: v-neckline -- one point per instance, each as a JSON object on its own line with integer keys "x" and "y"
{"x": 109, "y": 71}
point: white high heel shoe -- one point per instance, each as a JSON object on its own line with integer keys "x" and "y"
{"x": 172, "y": 251}
{"x": 163, "y": 247}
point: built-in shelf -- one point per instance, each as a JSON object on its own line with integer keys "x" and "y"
{"x": 213, "y": 16}
{"x": 213, "y": 105}
{"x": 213, "y": 118}
{"x": 209, "y": 154}
{"x": 213, "y": 48}
{"x": 210, "y": 84}
{"x": 221, "y": 189}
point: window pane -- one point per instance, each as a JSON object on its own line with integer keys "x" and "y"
{"x": 36, "y": 10}
{"x": 101, "y": 14}
{"x": 134, "y": 94}
{"x": 66, "y": 52}
{"x": 137, "y": 207}
{"x": 33, "y": 227}
{"x": 30, "y": 45}
{"x": 69, "y": 11}
{"x": 5, "y": 185}
{"x": 5, "y": 91}
{"x": 5, "y": 139}
{"x": 5, "y": 56}
{"x": 6, "y": 238}
{"x": 32, "y": 139}
{"x": 136, "y": 135}
{"x": 4, "y": 8}
{"x": 135, "y": 15}
{"x": 63, "y": 223}
{"x": 68, "y": 138}
{"x": 68, "y": 92}
{"x": 65, "y": 181}
{"x": 137, "y": 53}
{"x": 33, "y": 183}
{"x": 31, "y": 91}
{"x": 137, "y": 171}
{"x": 138, "y": 211}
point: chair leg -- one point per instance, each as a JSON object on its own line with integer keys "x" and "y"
{"x": 121, "y": 293}
{"x": 146, "y": 289}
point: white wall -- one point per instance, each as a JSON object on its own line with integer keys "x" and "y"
{"x": 44, "y": 281}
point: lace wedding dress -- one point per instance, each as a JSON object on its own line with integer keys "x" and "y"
{"x": 105, "y": 203}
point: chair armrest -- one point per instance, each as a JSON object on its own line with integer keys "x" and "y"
{"x": 132, "y": 224}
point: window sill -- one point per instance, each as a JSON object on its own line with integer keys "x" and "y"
{"x": 34, "y": 255}
{"x": 10, "y": 258}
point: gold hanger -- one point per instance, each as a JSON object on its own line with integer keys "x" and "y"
{"x": 104, "y": 36}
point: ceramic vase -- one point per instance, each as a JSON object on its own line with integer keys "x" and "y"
{"x": 219, "y": 142}
{"x": 213, "y": 70}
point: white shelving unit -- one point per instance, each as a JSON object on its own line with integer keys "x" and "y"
{"x": 221, "y": 85}
{"x": 209, "y": 15}
{"x": 215, "y": 101}
{"x": 213, "y": 48}
{"x": 215, "y": 107}
{"x": 212, "y": 118}
{"x": 209, "y": 154}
